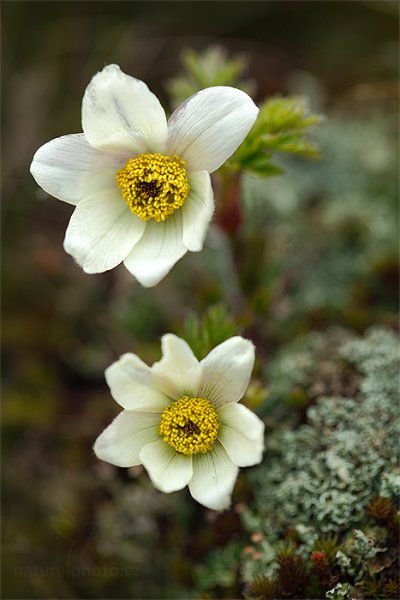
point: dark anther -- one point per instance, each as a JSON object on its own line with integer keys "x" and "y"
{"x": 190, "y": 428}
{"x": 148, "y": 188}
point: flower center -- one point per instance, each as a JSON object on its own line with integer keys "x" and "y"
{"x": 153, "y": 185}
{"x": 190, "y": 425}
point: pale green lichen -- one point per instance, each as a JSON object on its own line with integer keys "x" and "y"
{"x": 319, "y": 478}
{"x": 339, "y": 592}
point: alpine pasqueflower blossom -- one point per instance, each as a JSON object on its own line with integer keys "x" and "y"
{"x": 182, "y": 419}
{"x": 141, "y": 185}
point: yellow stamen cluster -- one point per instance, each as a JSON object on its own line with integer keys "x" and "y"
{"x": 190, "y": 425}
{"x": 153, "y": 185}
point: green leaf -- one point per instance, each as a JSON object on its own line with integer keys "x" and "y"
{"x": 205, "y": 69}
{"x": 263, "y": 168}
{"x": 293, "y": 143}
{"x": 215, "y": 327}
{"x": 281, "y": 127}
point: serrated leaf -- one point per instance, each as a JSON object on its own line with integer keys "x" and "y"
{"x": 264, "y": 168}
{"x": 280, "y": 128}
{"x": 287, "y": 114}
{"x": 293, "y": 143}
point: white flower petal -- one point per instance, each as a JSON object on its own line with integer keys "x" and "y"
{"x": 197, "y": 210}
{"x": 131, "y": 386}
{"x": 102, "y": 231}
{"x": 178, "y": 372}
{"x": 168, "y": 470}
{"x": 159, "y": 249}
{"x": 122, "y": 441}
{"x": 214, "y": 476}
{"x": 226, "y": 371}
{"x": 120, "y": 113}
{"x": 241, "y": 434}
{"x": 69, "y": 169}
{"x": 208, "y": 127}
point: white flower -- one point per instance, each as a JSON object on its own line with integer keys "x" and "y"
{"x": 182, "y": 420}
{"x": 162, "y": 203}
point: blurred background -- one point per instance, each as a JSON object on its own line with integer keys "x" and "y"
{"x": 314, "y": 249}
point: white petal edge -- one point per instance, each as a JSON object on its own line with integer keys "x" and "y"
{"x": 102, "y": 232}
{"x": 158, "y": 250}
{"x": 208, "y": 127}
{"x": 178, "y": 372}
{"x": 130, "y": 384}
{"x": 69, "y": 169}
{"x": 197, "y": 210}
{"x": 226, "y": 371}
{"x": 120, "y": 113}
{"x": 121, "y": 442}
{"x": 168, "y": 470}
{"x": 241, "y": 434}
{"x": 214, "y": 476}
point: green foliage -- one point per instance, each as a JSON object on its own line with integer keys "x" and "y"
{"x": 382, "y": 509}
{"x": 220, "y": 568}
{"x": 205, "y": 69}
{"x": 329, "y": 546}
{"x": 263, "y": 588}
{"x": 293, "y": 576}
{"x": 280, "y": 128}
{"x": 215, "y": 327}
{"x": 330, "y": 247}
{"x": 281, "y": 124}
{"x": 292, "y": 579}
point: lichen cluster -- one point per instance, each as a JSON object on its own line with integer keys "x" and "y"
{"x": 334, "y": 475}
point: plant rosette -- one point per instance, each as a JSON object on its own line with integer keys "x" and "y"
{"x": 141, "y": 184}
{"x": 182, "y": 419}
